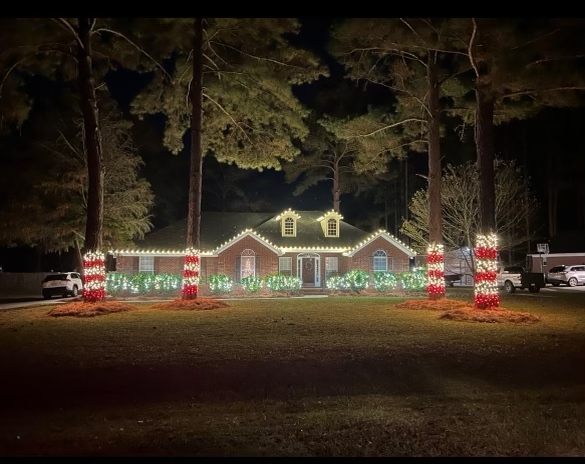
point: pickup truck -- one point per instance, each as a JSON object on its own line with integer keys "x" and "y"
{"x": 514, "y": 277}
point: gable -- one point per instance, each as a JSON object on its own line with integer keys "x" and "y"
{"x": 383, "y": 235}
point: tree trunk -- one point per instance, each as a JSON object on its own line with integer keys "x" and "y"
{"x": 484, "y": 142}
{"x": 436, "y": 283}
{"x": 336, "y": 188}
{"x": 92, "y": 142}
{"x": 192, "y": 267}
{"x": 196, "y": 161}
{"x": 434, "y": 137}
{"x": 486, "y": 290}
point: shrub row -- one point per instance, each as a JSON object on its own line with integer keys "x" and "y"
{"x": 118, "y": 283}
{"x": 221, "y": 284}
{"x": 384, "y": 282}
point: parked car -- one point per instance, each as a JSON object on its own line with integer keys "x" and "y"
{"x": 513, "y": 277}
{"x": 568, "y": 275}
{"x": 64, "y": 284}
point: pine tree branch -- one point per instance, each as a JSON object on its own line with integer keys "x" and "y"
{"x": 259, "y": 58}
{"x": 64, "y": 24}
{"x": 411, "y": 28}
{"x": 470, "y": 48}
{"x": 141, "y": 50}
{"x": 229, "y": 116}
{"x": 535, "y": 39}
{"x": 559, "y": 58}
{"x": 8, "y": 73}
{"x": 389, "y": 126}
{"x": 531, "y": 91}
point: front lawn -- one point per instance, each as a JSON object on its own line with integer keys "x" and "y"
{"x": 352, "y": 376}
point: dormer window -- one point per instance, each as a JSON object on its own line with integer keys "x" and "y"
{"x": 331, "y": 227}
{"x": 288, "y": 223}
{"x": 330, "y": 223}
{"x": 289, "y": 227}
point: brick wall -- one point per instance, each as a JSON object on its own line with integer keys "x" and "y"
{"x": 168, "y": 264}
{"x": 226, "y": 261}
{"x": 362, "y": 259}
{"x": 127, "y": 264}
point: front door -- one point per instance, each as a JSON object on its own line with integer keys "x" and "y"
{"x": 308, "y": 271}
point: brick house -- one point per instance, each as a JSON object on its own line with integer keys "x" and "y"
{"x": 309, "y": 244}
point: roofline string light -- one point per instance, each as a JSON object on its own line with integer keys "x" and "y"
{"x": 345, "y": 251}
{"x": 436, "y": 271}
{"x": 94, "y": 272}
{"x": 289, "y": 212}
{"x": 486, "y": 286}
{"x": 191, "y": 274}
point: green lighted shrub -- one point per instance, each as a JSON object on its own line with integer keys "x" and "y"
{"x": 337, "y": 282}
{"x": 282, "y": 283}
{"x": 385, "y": 282}
{"x": 415, "y": 280}
{"x": 251, "y": 284}
{"x": 357, "y": 280}
{"x": 220, "y": 283}
{"x": 118, "y": 283}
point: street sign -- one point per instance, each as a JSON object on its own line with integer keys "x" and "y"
{"x": 542, "y": 248}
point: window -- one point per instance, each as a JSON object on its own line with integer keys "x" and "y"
{"x": 331, "y": 228}
{"x": 331, "y": 266}
{"x": 146, "y": 264}
{"x": 380, "y": 261}
{"x": 289, "y": 227}
{"x": 285, "y": 265}
{"x": 248, "y": 264}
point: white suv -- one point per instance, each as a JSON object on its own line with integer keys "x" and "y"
{"x": 65, "y": 284}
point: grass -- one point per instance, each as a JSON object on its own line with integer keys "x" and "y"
{"x": 310, "y": 377}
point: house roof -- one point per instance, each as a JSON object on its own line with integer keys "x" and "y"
{"x": 219, "y": 228}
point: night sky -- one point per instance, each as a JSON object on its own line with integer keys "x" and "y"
{"x": 559, "y": 132}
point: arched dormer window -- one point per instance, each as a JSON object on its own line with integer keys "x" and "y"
{"x": 332, "y": 227}
{"x": 288, "y": 223}
{"x": 330, "y": 223}
{"x": 288, "y": 229}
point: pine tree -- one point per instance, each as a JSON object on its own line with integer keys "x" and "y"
{"x": 248, "y": 114}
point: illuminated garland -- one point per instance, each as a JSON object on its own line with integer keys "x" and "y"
{"x": 94, "y": 270}
{"x": 486, "y": 286}
{"x": 435, "y": 271}
{"x": 191, "y": 274}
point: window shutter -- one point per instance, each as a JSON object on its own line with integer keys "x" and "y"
{"x": 238, "y": 269}
{"x": 202, "y": 270}
{"x": 371, "y": 263}
{"x": 257, "y": 266}
{"x": 389, "y": 264}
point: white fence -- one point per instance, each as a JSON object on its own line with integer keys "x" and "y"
{"x": 21, "y": 283}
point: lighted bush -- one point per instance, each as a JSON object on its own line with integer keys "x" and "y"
{"x": 220, "y": 283}
{"x": 282, "y": 283}
{"x": 385, "y": 282}
{"x": 414, "y": 280}
{"x": 251, "y": 284}
{"x": 167, "y": 283}
{"x": 357, "y": 280}
{"x": 142, "y": 283}
{"x": 337, "y": 282}
{"x": 117, "y": 283}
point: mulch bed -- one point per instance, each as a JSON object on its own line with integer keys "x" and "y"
{"x": 463, "y": 311}
{"x": 200, "y": 304}
{"x": 83, "y": 309}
